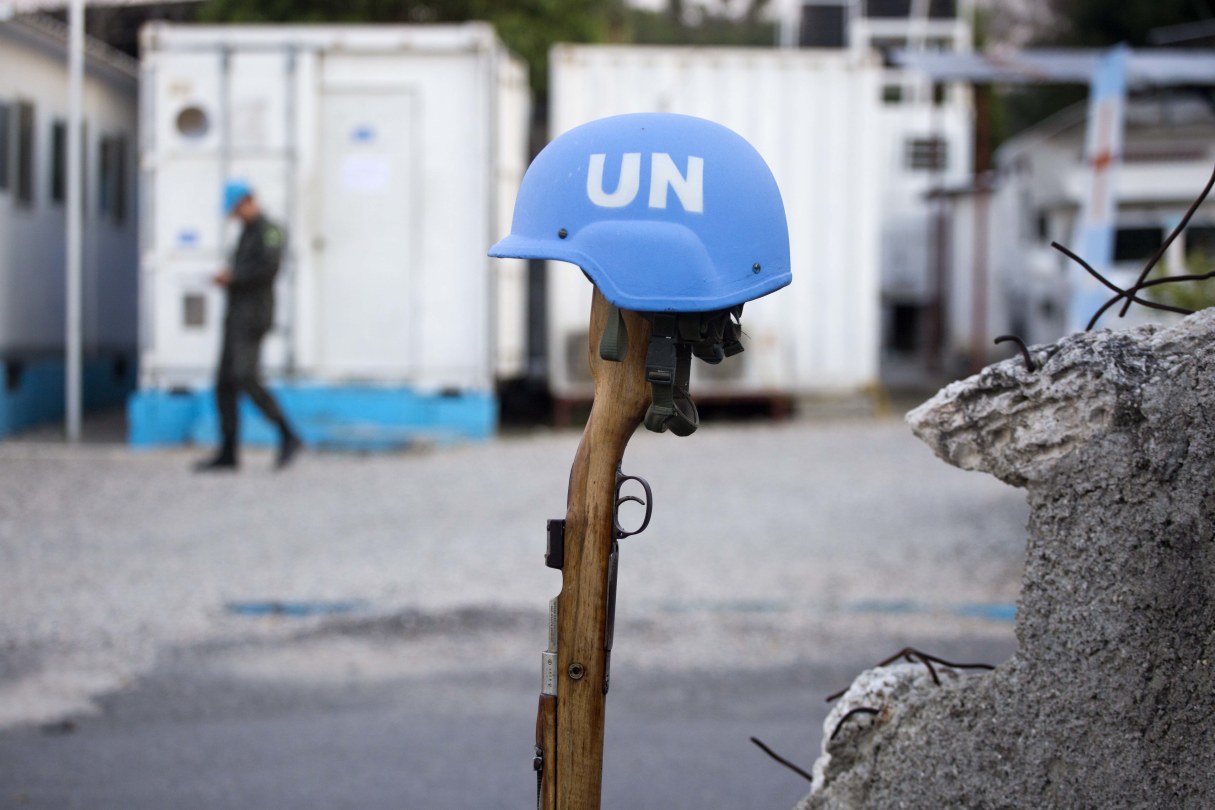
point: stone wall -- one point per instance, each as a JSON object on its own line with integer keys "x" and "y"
{"x": 1109, "y": 700}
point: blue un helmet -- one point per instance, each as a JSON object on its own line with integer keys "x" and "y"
{"x": 672, "y": 216}
{"x": 235, "y": 190}
{"x": 664, "y": 212}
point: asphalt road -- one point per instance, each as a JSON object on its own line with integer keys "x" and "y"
{"x": 364, "y": 631}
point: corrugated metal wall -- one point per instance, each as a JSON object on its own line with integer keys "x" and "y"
{"x": 814, "y": 118}
{"x": 386, "y": 151}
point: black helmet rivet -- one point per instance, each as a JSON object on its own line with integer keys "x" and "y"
{"x": 755, "y": 267}
{"x": 563, "y": 233}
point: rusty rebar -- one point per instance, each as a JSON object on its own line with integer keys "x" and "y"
{"x": 1030, "y": 366}
{"x": 858, "y": 710}
{"x": 808, "y": 777}
{"x": 912, "y": 655}
{"x": 1147, "y": 268}
{"x": 1129, "y": 294}
{"x": 1119, "y": 292}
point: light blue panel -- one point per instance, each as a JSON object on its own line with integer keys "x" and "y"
{"x": 156, "y": 418}
{"x": 35, "y": 394}
{"x": 32, "y": 391}
{"x": 345, "y": 417}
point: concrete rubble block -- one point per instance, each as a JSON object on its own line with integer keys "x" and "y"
{"x": 1108, "y": 701}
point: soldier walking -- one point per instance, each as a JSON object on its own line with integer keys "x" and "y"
{"x": 249, "y": 283}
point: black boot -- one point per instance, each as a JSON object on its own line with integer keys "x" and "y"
{"x": 288, "y": 446}
{"x": 225, "y": 459}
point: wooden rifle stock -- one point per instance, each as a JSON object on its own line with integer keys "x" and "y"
{"x": 569, "y": 726}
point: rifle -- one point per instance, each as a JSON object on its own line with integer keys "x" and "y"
{"x": 570, "y": 720}
{"x": 709, "y": 236}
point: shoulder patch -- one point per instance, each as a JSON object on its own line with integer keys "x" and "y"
{"x": 273, "y": 237}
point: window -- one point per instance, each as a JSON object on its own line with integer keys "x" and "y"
{"x": 59, "y": 167}
{"x": 58, "y": 162}
{"x": 943, "y": 9}
{"x": 824, "y": 26}
{"x": 904, "y": 334}
{"x": 112, "y": 185}
{"x": 886, "y": 46}
{"x": 892, "y": 93}
{"x": 888, "y": 8}
{"x": 24, "y": 160}
{"x": 937, "y": 9}
{"x": 5, "y": 146}
{"x": 926, "y": 153}
{"x": 1137, "y": 244}
{"x": 194, "y": 310}
{"x": 1042, "y": 226}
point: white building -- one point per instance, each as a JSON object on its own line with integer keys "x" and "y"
{"x": 928, "y": 145}
{"x": 856, "y": 145}
{"x": 33, "y": 191}
{"x": 996, "y": 269}
{"x": 1041, "y": 180}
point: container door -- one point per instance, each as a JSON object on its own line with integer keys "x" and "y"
{"x": 366, "y": 235}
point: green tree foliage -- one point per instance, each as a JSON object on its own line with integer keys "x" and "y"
{"x": 1193, "y": 295}
{"x": 528, "y": 27}
{"x": 682, "y": 24}
{"x": 1101, "y": 23}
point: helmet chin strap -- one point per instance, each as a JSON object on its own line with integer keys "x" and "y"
{"x": 674, "y": 338}
{"x": 668, "y": 364}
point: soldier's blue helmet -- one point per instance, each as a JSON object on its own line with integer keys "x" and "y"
{"x": 235, "y": 190}
{"x": 664, "y": 213}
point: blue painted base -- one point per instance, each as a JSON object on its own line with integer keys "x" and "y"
{"x": 33, "y": 390}
{"x": 345, "y": 417}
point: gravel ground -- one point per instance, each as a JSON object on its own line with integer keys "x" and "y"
{"x": 771, "y": 544}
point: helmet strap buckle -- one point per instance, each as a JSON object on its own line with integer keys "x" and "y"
{"x": 668, "y": 365}
{"x": 674, "y": 338}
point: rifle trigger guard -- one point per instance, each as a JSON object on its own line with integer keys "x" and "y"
{"x": 647, "y": 502}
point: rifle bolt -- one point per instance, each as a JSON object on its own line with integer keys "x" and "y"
{"x": 576, "y": 671}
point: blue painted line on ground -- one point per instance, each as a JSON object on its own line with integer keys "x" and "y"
{"x": 998, "y": 612}
{"x": 293, "y": 609}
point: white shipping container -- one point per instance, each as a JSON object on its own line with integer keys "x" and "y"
{"x": 390, "y": 153}
{"x": 815, "y": 118}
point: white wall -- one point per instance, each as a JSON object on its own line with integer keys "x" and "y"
{"x": 33, "y": 68}
{"x": 458, "y": 101}
{"x": 1169, "y": 152}
{"x": 813, "y": 116}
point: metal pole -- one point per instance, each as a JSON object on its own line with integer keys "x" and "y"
{"x": 72, "y": 383}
